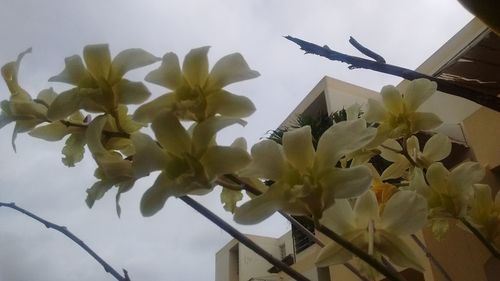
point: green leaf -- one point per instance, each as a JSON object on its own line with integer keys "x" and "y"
{"x": 74, "y": 150}
{"x": 229, "y": 198}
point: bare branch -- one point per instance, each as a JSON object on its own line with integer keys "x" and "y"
{"x": 489, "y": 101}
{"x": 71, "y": 236}
{"x": 367, "y": 52}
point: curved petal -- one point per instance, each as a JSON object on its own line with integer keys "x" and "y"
{"x": 131, "y": 92}
{"x": 155, "y": 197}
{"x": 437, "y": 148}
{"x": 418, "y": 91}
{"x": 73, "y": 149}
{"x": 268, "y": 161}
{"x": 74, "y": 73}
{"x": 64, "y": 104}
{"x": 47, "y": 95}
{"x": 345, "y": 183}
{"x": 388, "y": 149}
{"x": 230, "y": 69}
{"x": 465, "y": 175}
{"x": 130, "y": 59}
{"x": 341, "y": 139}
{"x": 424, "y": 121}
{"x": 195, "y": 66}
{"x": 10, "y": 76}
{"x": 171, "y": 134}
{"x": 261, "y": 207}
{"x": 169, "y": 74}
{"x": 148, "y": 111}
{"x": 230, "y": 105}
{"x": 51, "y": 132}
{"x": 332, "y": 254}
{"x": 298, "y": 148}
{"x": 339, "y": 217}
{"x": 396, "y": 169}
{"x": 220, "y": 160}
{"x": 397, "y": 251}
{"x": 405, "y": 213}
{"x": 98, "y": 60}
{"x": 392, "y": 99}
{"x": 148, "y": 155}
{"x": 366, "y": 209}
{"x": 205, "y": 131}
{"x": 437, "y": 176}
{"x": 418, "y": 184}
{"x": 375, "y": 112}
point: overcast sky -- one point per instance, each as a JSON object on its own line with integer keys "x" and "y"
{"x": 177, "y": 243}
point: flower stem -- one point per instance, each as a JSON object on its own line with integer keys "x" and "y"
{"x": 242, "y": 238}
{"x": 71, "y": 236}
{"x": 481, "y": 238}
{"x": 431, "y": 258}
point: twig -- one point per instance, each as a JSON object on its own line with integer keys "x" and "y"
{"x": 242, "y": 238}
{"x": 367, "y": 52}
{"x": 481, "y": 238}
{"x": 391, "y": 267}
{"x": 489, "y": 101}
{"x": 105, "y": 132}
{"x": 71, "y": 236}
{"x": 431, "y": 258}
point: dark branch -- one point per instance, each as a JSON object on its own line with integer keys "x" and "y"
{"x": 367, "y": 52}
{"x": 431, "y": 258}
{"x": 489, "y": 101}
{"x": 494, "y": 252}
{"x": 71, "y": 236}
{"x": 242, "y": 238}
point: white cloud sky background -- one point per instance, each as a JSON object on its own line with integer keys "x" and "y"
{"x": 177, "y": 243}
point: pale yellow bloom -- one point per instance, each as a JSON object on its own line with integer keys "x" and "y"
{"x": 306, "y": 182}
{"x": 192, "y": 160}
{"x": 376, "y": 231}
{"x": 485, "y": 211}
{"x": 198, "y": 94}
{"x": 398, "y": 116}
{"x": 437, "y": 148}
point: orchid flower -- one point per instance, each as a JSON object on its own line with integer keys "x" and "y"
{"x": 485, "y": 211}
{"x": 99, "y": 84}
{"x": 192, "y": 160}
{"x": 398, "y": 116}
{"x": 306, "y": 182}
{"x": 436, "y": 149}
{"x": 378, "y": 232}
{"x": 198, "y": 94}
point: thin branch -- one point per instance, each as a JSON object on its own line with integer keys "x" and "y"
{"x": 481, "y": 238}
{"x": 367, "y": 52}
{"x": 242, "y": 238}
{"x": 489, "y": 101}
{"x": 71, "y": 236}
{"x": 431, "y": 258}
{"x": 332, "y": 235}
{"x": 104, "y": 132}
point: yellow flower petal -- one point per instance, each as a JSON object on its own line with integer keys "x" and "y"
{"x": 405, "y": 213}
{"x": 421, "y": 121}
{"x": 365, "y": 209}
{"x": 195, "y": 66}
{"x": 397, "y": 251}
{"x": 148, "y": 111}
{"x": 333, "y": 254}
{"x": 230, "y": 69}
{"x": 418, "y": 91}
{"x": 230, "y": 105}
{"x": 437, "y": 148}
{"x": 268, "y": 161}
{"x": 339, "y": 217}
{"x": 155, "y": 197}
{"x": 74, "y": 73}
{"x": 148, "y": 155}
{"x": 392, "y": 99}
{"x": 51, "y": 132}
{"x": 47, "y": 96}
{"x": 345, "y": 183}
{"x": 437, "y": 176}
{"x": 220, "y": 160}
{"x": 171, "y": 134}
{"x": 169, "y": 74}
{"x": 298, "y": 148}
{"x": 205, "y": 131}
{"x": 98, "y": 60}
{"x": 64, "y": 104}
{"x": 375, "y": 112}
{"x": 129, "y": 59}
{"x": 261, "y": 207}
{"x": 396, "y": 169}
{"x": 131, "y": 92}
{"x": 465, "y": 175}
